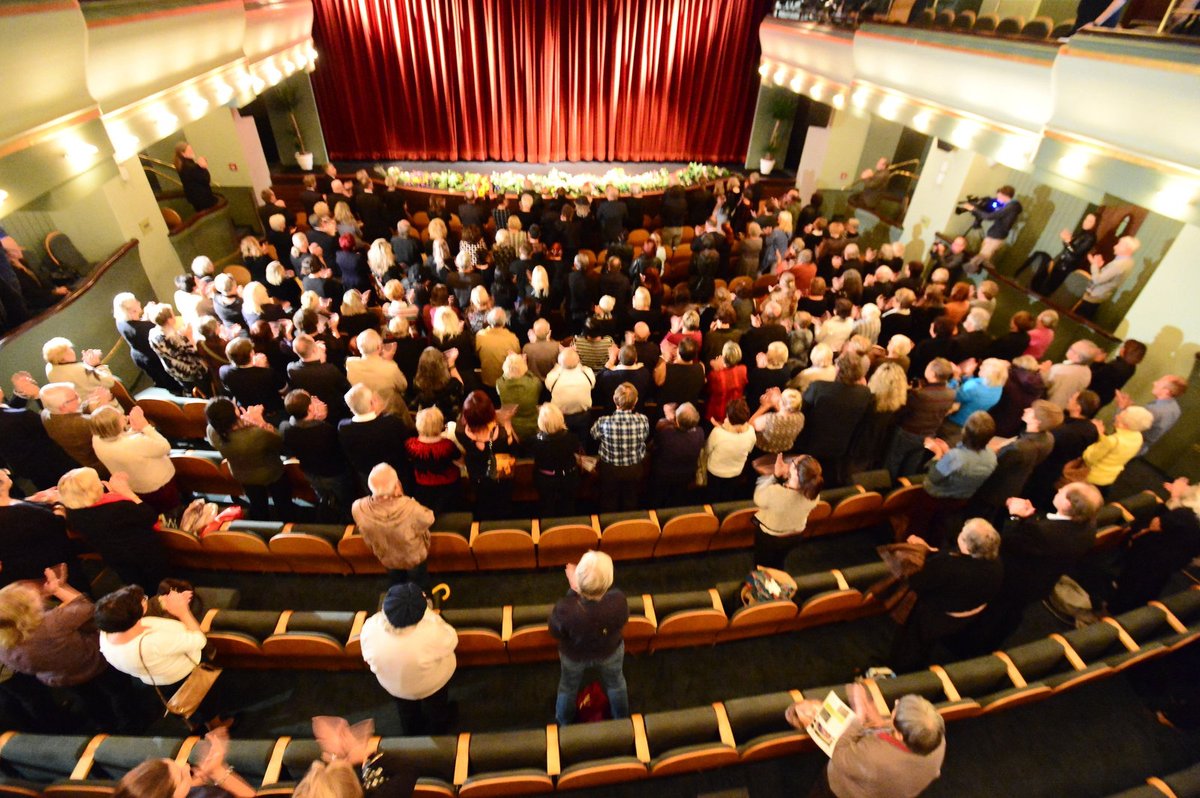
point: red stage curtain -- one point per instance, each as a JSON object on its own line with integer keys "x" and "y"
{"x": 537, "y": 80}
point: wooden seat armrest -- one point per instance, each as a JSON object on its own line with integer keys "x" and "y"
{"x": 360, "y": 618}
{"x": 947, "y": 686}
{"x": 1013, "y": 674}
{"x": 641, "y": 746}
{"x": 1161, "y": 786}
{"x": 535, "y": 530}
{"x": 553, "y": 765}
{"x": 206, "y": 624}
{"x": 506, "y": 623}
{"x": 474, "y": 533}
{"x": 841, "y": 579}
{"x": 1072, "y": 655}
{"x": 648, "y": 608}
{"x": 461, "y": 757}
{"x": 596, "y": 525}
{"x": 1172, "y": 620}
{"x": 1122, "y": 635}
{"x": 716, "y": 600}
{"x": 275, "y": 763}
{"x": 87, "y": 759}
{"x": 723, "y": 727}
{"x": 349, "y": 533}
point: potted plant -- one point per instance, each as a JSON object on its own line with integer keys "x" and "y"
{"x": 287, "y": 100}
{"x": 781, "y": 107}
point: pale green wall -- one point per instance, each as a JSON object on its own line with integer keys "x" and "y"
{"x": 1164, "y": 317}
{"x": 215, "y": 137}
{"x": 306, "y": 117}
{"x": 847, "y": 136}
{"x": 931, "y": 209}
{"x": 882, "y": 138}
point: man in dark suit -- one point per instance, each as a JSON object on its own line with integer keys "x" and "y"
{"x": 756, "y": 340}
{"x": 271, "y": 205}
{"x": 1036, "y": 551}
{"x": 1076, "y": 433}
{"x": 372, "y": 211}
{"x": 939, "y": 344}
{"x": 612, "y": 215}
{"x": 898, "y": 319}
{"x": 472, "y": 211}
{"x": 309, "y": 197}
{"x": 405, "y": 247}
{"x": 973, "y": 341}
{"x": 318, "y": 278}
{"x": 581, "y": 294}
{"x": 1016, "y": 459}
{"x": 370, "y": 436}
{"x": 324, "y": 380}
{"x": 250, "y": 381}
{"x": 832, "y": 412}
{"x": 309, "y": 438}
{"x": 136, "y": 332}
{"x": 324, "y": 234}
{"x": 624, "y": 368}
{"x": 25, "y": 446}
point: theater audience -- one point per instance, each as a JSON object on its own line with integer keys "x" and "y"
{"x": 178, "y": 354}
{"x": 115, "y": 522}
{"x": 67, "y": 422}
{"x": 622, "y": 437}
{"x": 728, "y": 446}
{"x": 1165, "y": 409}
{"x": 32, "y": 537}
{"x": 433, "y": 458}
{"x": 1106, "y": 458}
{"x": 86, "y": 375}
{"x": 486, "y": 440}
{"x": 379, "y": 373}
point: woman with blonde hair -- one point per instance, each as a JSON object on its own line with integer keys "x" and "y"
{"x": 382, "y": 261}
{"x": 115, "y": 521}
{"x": 778, "y": 421}
{"x": 135, "y": 447}
{"x": 283, "y": 286}
{"x": 257, "y": 304}
{"x": 299, "y": 249}
{"x": 346, "y": 223}
{"x": 821, "y": 370}
{"x": 59, "y": 647}
{"x": 434, "y": 457}
{"x": 354, "y": 315}
{"x": 481, "y": 304}
{"x": 539, "y": 283}
{"x": 389, "y": 773}
{"x": 439, "y": 248}
{"x": 254, "y": 259}
{"x": 975, "y": 393}
{"x": 889, "y": 392}
{"x": 555, "y": 469}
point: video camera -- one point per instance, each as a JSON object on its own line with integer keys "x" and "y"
{"x": 984, "y": 204}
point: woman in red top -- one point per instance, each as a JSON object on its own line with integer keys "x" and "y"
{"x": 726, "y": 380}
{"x": 434, "y": 463}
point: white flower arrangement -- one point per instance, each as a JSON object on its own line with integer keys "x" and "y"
{"x": 509, "y": 182}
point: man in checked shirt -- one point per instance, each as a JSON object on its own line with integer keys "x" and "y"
{"x": 622, "y": 437}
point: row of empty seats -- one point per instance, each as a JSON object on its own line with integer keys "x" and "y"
{"x": 1038, "y": 28}
{"x": 543, "y": 760}
{"x": 1181, "y": 784}
{"x": 520, "y": 633}
{"x": 460, "y": 543}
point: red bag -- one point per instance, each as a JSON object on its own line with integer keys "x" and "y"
{"x": 232, "y": 513}
{"x": 591, "y": 705}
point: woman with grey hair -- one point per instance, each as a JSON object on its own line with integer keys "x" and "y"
{"x": 953, "y": 588}
{"x": 588, "y": 623}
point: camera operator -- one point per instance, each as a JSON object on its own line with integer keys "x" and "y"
{"x": 952, "y": 258}
{"x": 1002, "y": 213}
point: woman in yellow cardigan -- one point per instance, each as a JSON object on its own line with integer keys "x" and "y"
{"x": 1106, "y": 458}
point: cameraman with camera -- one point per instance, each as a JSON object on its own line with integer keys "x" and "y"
{"x": 1002, "y": 212}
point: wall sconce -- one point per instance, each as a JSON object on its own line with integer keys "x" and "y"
{"x": 79, "y": 153}
{"x": 3, "y": 196}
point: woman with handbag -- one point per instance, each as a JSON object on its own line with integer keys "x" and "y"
{"x": 164, "y": 653}
{"x": 486, "y": 441}
{"x": 784, "y": 500}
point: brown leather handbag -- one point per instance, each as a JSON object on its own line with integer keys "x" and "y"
{"x": 191, "y": 693}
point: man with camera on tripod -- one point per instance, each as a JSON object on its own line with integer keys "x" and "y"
{"x": 1002, "y": 212}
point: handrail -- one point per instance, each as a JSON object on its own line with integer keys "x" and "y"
{"x": 191, "y": 221}
{"x": 1029, "y": 292}
{"x": 70, "y": 298}
{"x": 163, "y": 175}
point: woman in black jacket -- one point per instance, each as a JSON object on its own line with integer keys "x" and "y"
{"x": 193, "y": 174}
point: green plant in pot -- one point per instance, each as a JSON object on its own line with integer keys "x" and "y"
{"x": 781, "y": 107}
{"x": 286, "y": 99}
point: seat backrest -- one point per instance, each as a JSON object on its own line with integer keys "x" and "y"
{"x": 964, "y": 20}
{"x": 1038, "y": 28}
{"x": 944, "y": 19}
{"x": 1010, "y": 26}
{"x": 64, "y": 254}
{"x": 1063, "y": 29}
{"x": 986, "y": 23}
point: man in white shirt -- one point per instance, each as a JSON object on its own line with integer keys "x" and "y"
{"x": 1064, "y": 380}
{"x": 410, "y": 649}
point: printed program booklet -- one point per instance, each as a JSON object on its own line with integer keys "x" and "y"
{"x": 831, "y": 722}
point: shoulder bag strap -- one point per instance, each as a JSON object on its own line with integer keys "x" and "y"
{"x": 154, "y": 684}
